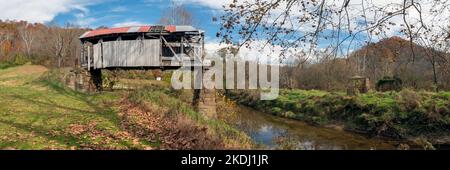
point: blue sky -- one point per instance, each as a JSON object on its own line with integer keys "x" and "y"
{"x": 115, "y": 13}
{"x": 110, "y": 13}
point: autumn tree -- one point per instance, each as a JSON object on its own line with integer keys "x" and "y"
{"x": 6, "y": 38}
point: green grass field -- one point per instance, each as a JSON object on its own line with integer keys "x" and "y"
{"x": 39, "y": 114}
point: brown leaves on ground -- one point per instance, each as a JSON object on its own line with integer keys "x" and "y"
{"x": 174, "y": 133}
{"x": 91, "y": 137}
{"x": 144, "y": 122}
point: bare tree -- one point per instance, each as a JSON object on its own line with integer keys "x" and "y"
{"x": 26, "y": 33}
{"x": 300, "y": 24}
{"x": 62, "y": 41}
{"x": 339, "y": 27}
{"x": 177, "y": 14}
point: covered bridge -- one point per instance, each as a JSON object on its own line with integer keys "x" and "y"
{"x": 141, "y": 47}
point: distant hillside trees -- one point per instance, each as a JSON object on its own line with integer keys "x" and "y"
{"x": 391, "y": 58}
{"x": 387, "y": 58}
{"x": 49, "y": 45}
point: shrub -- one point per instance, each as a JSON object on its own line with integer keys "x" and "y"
{"x": 17, "y": 60}
{"x": 389, "y": 84}
{"x": 409, "y": 100}
{"x": 276, "y": 110}
{"x": 110, "y": 79}
{"x": 5, "y": 65}
{"x": 20, "y": 59}
{"x": 289, "y": 114}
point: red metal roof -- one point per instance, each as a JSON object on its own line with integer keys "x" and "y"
{"x": 137, "y": 29}
{"x": 144, "y": 29}
{"x": 171, "y": 28}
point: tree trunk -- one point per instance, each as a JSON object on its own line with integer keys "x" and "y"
{"x": 435, "y": 75}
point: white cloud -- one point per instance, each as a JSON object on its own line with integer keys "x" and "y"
{"x": 119, "y": 9}
{"x": 213, "y": 47}
{"x": 434, "y": 17}
{"x": 83, "y": 20}
{"x": 40, "y": 10}
{"x": 259, "y": 51}
{"x": 215, "y": 4}
{"x": 129, "y": 23}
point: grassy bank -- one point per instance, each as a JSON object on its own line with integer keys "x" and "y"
{"x": 5, "y": 65}
{"x": 173, "y": 107}
{"x": 401, "y": 115}
{"x": 38, "y": 112}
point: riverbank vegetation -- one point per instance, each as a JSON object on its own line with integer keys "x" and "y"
{"x": 400, "y": 115}
{"x": 169, "y": 99}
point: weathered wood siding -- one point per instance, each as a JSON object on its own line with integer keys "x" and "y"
{"x": 97, "y": 56}
{"x": 137, "y": 53}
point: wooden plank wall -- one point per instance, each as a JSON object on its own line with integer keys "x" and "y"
{"x": 97, "y": 56}
{"x": 135, "y": 53}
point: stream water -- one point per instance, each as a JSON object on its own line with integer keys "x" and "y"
{"x": 280, "y": 133}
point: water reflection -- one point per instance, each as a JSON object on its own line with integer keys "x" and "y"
{"x": 279, "y": 133}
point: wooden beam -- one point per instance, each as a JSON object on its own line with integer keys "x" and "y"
{"x": 81, "y": 62}
{"x": 89, "y": 57}
{"x": 171, "y": 49}
{"x": 101, "y": 52}
{"x": 182, "y": 46}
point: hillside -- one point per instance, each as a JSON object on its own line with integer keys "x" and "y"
{"x": 392, "y": 57}
{"x": 419, "y": 68}
{"x": 48, "y": 45}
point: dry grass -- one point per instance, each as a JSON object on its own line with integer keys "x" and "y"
{"x": 150, "y": 122}
{"x": 16, "y": 76}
